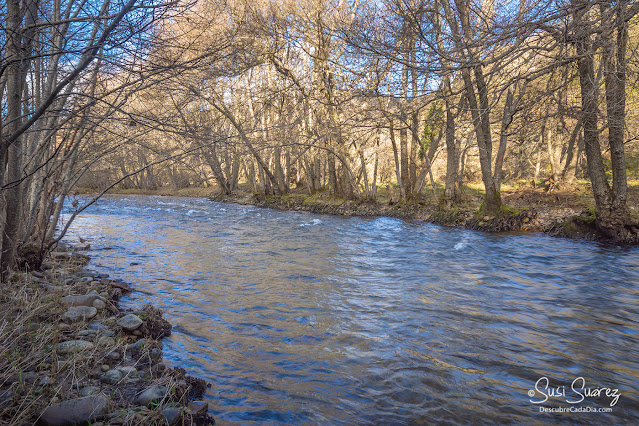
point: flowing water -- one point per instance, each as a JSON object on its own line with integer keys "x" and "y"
{"x": 301, "y": 318}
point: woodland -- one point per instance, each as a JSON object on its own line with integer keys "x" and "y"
{"x": 316, "y": 96}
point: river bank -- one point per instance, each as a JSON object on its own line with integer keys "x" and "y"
{"x": 563, "y": 212}
{"x": 71, "y": 355}
{"x": 525, "y": 211}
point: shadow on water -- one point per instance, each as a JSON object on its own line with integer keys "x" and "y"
{"x": 302, "y": 318}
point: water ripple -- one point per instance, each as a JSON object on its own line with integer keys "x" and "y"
{"x": 302, "y": 318}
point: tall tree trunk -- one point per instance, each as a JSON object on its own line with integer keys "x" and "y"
{"x": 11, "y": 157}
{"x": 589, "y": 101}
{"x": 614, "y": 60}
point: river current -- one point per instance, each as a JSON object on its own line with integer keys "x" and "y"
{"x": 298, "y": 318}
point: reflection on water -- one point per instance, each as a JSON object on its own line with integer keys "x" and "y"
{"x": 302, "y": 318}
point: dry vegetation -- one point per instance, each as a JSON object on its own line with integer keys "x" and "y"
{"x": 36, "y": 373}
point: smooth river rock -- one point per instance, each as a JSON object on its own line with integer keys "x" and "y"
{"x": 111, "y": 377}
{"x": 106, "y": 341}
{"x": 198, "y": 407}
{"x": 74, "y": 411}
{"x": 96, "y": 325}
{"x": 80, "y": 300}
{"x": 172, "y": 415}
{"x": 73, "y": 346}
{"x": 152, "y": 394}
{"x": 129, "y": 322}
{"x": 79, "y": 313}
{"x": 136, "y": 346}
{"x": 89, "y": 390}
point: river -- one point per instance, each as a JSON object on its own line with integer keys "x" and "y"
{"x": 300, "y": 318}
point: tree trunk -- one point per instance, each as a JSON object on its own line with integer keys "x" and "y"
{"x": 11, "y": 158}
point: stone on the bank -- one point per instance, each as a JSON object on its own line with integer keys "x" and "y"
{"x": 74, "y": 411}
{"x": 89, "y": 390}
{"x": 128, "y": 370}
{"x": 121, "y": 285}
{"x": 136, "y": 346}
{"x": 129, "y": 322}
{"x": 156, "y": 354}
{"x": 23, "y": 377}
{"x": 79, "y": 313}
{"x": 172, "y": 415}
{"x": 105, "y": 368}
{"x": 198, "y": 407}
{"x": 79, "y": 300}
{"x": 152, "y": 394}
{"x": 73, "y": 346}
{"x": 87, "y": 333}
{"x": 115, "y": 355}
{"x": 99, "y": 304}
{"x": 96, "y": 325}
{"x": 106, "y": 341}
{"x": 111, "y": 377}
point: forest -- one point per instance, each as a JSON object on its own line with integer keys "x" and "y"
{"x": 342, "y": 98}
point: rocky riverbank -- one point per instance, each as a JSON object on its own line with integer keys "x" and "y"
{"x": 70, "y": 355}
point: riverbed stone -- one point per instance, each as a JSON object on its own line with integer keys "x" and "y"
{"x": 96, "y": 325}
{"x": 129, "y": 322}
{"x": 75, "y": 411}
{"x": 152, "y": 394}
{"x": 111, "y": 377}
{"x": 89, "y": 390}
{"x": 137, "y": 345}
{"x": 86, "y": 300}
{"x": 128, "y": 370}
{"x": 73, "y": 346}
{"x": 114, "y": 355}
{"x": 87, "y": 333}
{"x": 79, "y": 313}
{"x": 106, "y": 341}
{"x": 121, "y": 285}
{"x": 156, "y": 354}
{"x": 198, "y": 407}
{"x": 99, "y": 304}
{"x": 172, "y": 415}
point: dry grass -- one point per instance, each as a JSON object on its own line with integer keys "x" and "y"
{"x": 34, "y": 376}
